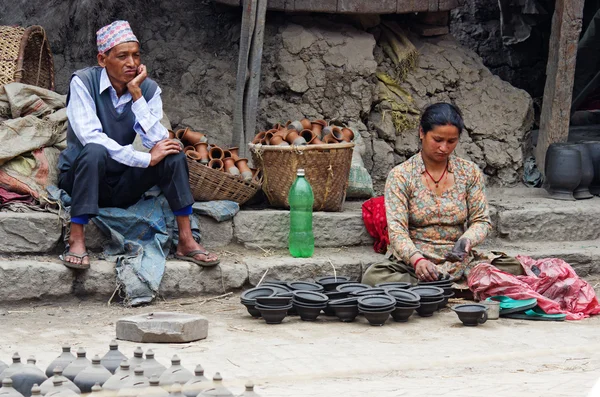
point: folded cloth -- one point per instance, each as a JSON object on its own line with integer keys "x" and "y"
{"x": 7, "y": 197}
{"x": 220, "y": 210}
{"x": 375, "y": 219}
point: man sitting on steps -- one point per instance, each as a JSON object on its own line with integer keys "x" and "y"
{"x": 107, "y": 106}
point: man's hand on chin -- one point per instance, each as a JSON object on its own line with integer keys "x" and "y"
{"x": 134, "y": 85}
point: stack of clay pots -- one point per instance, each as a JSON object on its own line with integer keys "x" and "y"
{"x": 304, "y": 132}
{"x": 112, "y": 375}
{"x": 196, "y": 147}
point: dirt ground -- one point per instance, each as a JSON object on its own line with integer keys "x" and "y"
{"x": 425, "y": 357}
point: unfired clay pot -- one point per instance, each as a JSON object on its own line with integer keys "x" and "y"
{"x": 202, "y": 149}
{"x": 196, "y": 384}
{"x": 242, "y": 165}
{"x": 229, "y": 166}
{"x": 235, "y": 153}
{"x": 306, "y": 124}
{"x": 151, "y": 366}
{"x": 215, "y": 153}
{"x": 176, "y": 373}
{"x": 91, "y": 375}
{"x": 48, "y": 385}
{"x": 216, "y": 164}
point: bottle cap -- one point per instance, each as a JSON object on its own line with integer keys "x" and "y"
{"x": 300, "y": 172}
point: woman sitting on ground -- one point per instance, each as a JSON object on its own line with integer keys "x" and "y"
{"x": 430, "y": 200}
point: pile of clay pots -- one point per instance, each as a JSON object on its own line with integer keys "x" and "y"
{"x": 338, "y": 296}
{"x": 304, "y": 132}
{"x": 196, "y": 147}
{"x": 573, "y": 170}
{"x": 112, "y": 375}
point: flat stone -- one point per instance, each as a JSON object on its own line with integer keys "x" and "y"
{"x": 25, "y": 279}
{"x": 162, "y": 327}
{"x": 347, "y": 262}
{"x": 29, "y": 232}
{"x": 270, "y": 229}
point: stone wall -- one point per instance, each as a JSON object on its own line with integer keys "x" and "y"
{"x": 315, "y": 66}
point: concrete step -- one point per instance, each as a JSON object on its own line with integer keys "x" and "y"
{"x": 41, "y": 277}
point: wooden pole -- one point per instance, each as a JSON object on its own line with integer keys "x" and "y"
{"x": 560, "y": 72}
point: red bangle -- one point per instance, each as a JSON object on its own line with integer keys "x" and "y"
{"x": 417, "y": 261}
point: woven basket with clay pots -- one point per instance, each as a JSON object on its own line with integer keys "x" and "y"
{"x": 327, "y": 168}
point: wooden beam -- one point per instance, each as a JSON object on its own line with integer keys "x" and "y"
{"x": 560, "y": 72}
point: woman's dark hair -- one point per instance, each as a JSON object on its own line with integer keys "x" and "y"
{"x": 440, "y": 114}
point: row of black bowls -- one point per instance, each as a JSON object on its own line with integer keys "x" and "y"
{"x": 338, "y": 296}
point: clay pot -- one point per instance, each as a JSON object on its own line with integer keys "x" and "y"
{"x": 189, "y": 149}
{"x": 176, "y": 373}
{"x": 268, "y": 136}
{"x": 78, "y": 365}
{"x": 347, "y": 134}
{"x": 275, "y": 140}
{"x": 294, "y": 138}
{"x": 91, "y": 375}
{"x": 190, "y": 137}
{"x": 471, "y": 314}
{"x": 242, "y": 165}
{"x": 15, "y": 367}
{"x": 259, "y": 137}
{"x": 215, "y": 153}
{"x": 563, "y": 171}
{"x": 327, "y": 130}
{"x": 112, "y": 359}
{"x": 58, "y": 390}
{"x": 217, "y": 388}
{"x": 196, "y": 384}
{"x": 137, "y": 359}
{"x": 308, "y": 136}
{"x": 317, "y": 141}
{"x": 277, "y": 127}
{"x": 249, "y": 392}
{"x": 317, "y": 127}
{"x": 337, "y": 134}
{"x": 329, "y": 139}
{"x": 235, "y": 153}
{"x": 229, "y": 166}
{"x": 306, "y": 124}
{"x": 171, "y": 134}
{"x": 28, "y": 376}
{"x": 202, "y": 149}
{"x": 582, "y": 191}
{"x": 295, "y": 125}
{"x": 154, "y": 389}
{"x": 122, "y": 374}
{"x": 36, "y": 390}
{"x": 226, "y": 154}
{"x": 8, "y": 390}
{"x": 193, "y": 155}
{"x": 48, "y": 385}
{"x": 134, "y": 383}
{"x": 282, "y": 132}
{"x": 216, "y": 164}
{"x": 64, "y": 359}
{"x": 152, "y": 367}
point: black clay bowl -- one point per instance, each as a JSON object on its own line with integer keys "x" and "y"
{"x": 329, "y": 311}
{"x": 427, "y": 299}
{"x": 254, "y": 293}
{"x": 333, "y": 295}
{"x": 287, "y": 294}
{"x": 471, "y": 314}
{"x": 401, "y": 314}
{"x": 305, "y": 286}
{"x": 310, "y": 297}
{"x": 273, "y": 315}
{"x": 404, "y": 295}
{"x": 376, "y": 310}
{"x": 376, "y": 301}
{"x": 279, "y": 288}
{"x": 427, "y": 291}
{"x": 273, "y": 301}
{"x": 308, "y": 313}
{"x": 370, "y": 291}
{"x": 377, "y": 318}
{"x": 445, "y": 301}
{"x": 398, "y": 284}
{"x": 350, "y": 287}
{"x": 331, "y": 279}
{"x": 428, "y": 308}
{"x": 319, "y": 304}
{"x": 351, "y": 300}
{"x": 252, "y": 310}
{"x": 346, "y": 313}
{"x": 438, "y": 283}
{"x": 414, "y": 305}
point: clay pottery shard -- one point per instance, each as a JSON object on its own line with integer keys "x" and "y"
{"x": 259, "y": 137}
{"x": 329, "y": 139}
{"x": 306, "y": 124}
{"x": 192, "y": 155}
{"x": 112, "y": 359}
{"x": 152, "y": 367}
{"x": 317, "y": 127}
{"x": 78, "y": 365}
{"x": 190, "y": 137}
{"x": 471, "y": 314}
{"x": 202, "y": 149}
{"x": 197, "y": 384}
{"x": 563, "y": 171}
{"x": 48, "y": 385}
{"x": 215, "y": 153}
{"x": 582, "y": 191}
{"x": 176, "y": 373}
{"x": 235, "y": 153}
{"x": 89, "y": 376}
{"x": 347, "y": 134}
{"x": 64, "y": 359}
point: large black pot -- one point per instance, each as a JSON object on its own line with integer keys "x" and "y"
{"x": 582, "y": 191}
{"x": 594, "y": 148}
{"x": 563, "y": 171}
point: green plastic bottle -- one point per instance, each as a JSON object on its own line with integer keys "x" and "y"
{"x": 301, "y": 240}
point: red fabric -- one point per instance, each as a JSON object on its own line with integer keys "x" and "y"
{"x": 7, "y": 197}
{"x": 373, "y": 212}
{"x": 557, "y": 289}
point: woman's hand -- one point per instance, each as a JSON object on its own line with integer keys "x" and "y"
{"x": 426, "y": 271}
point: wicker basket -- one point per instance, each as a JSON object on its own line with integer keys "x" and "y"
{"x": 327, "y": 168}
{"x": 208, "y": 184}
{"x": 25, "y": 57}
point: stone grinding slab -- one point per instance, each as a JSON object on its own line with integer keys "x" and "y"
{"x": 162, "y": 327}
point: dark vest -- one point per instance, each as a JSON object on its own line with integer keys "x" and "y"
{"x": 118, "y": 127}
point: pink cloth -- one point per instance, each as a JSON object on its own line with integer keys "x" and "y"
{"x": 7, "y": 197}
{"x": 557, "y": 289}
{"x": 114, "y": 34}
